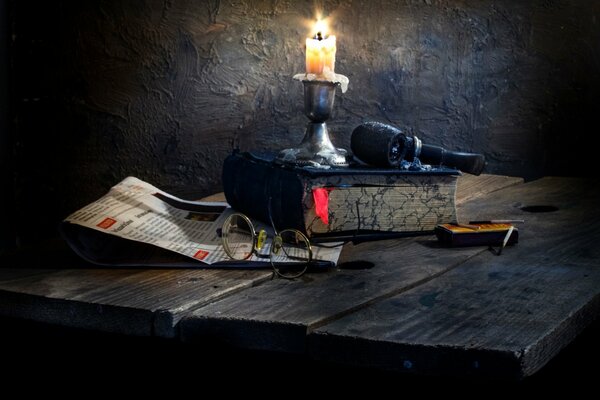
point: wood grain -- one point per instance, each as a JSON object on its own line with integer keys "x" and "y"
{"x": 215, "y": 197}
{"x": 470, "y": 187}
{"x": 493, "y": 315}
{"x": 262, "y": 313}
{"x": 278, "y": 314}
{"x": 139, "y": 301}
{"x": 420, "y": 307}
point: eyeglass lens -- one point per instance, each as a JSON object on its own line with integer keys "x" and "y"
{"x": 290, "y": 253}
{"x": 238, "y": 237}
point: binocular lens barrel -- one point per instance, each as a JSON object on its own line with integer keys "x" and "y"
{"x": 383, "y": 145}
{"x": 378, "y": 144}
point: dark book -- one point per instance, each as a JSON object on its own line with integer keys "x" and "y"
{"x": 325, "y": 202}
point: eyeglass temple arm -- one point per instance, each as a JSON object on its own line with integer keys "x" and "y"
{"x": 271, "y": 216}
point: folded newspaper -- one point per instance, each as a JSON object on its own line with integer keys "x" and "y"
{"x": 136, "y": 224}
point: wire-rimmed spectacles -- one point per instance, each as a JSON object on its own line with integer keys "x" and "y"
{"x": 289, "y": 251}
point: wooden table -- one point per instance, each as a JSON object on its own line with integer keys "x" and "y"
{"x": 421, "y": 308}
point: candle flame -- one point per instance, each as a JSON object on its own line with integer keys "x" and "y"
{"x": 320, "y": 29}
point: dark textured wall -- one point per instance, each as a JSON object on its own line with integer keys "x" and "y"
{"x": 164, "y": 90}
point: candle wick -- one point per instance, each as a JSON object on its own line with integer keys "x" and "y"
{"x": 319, "y": 36}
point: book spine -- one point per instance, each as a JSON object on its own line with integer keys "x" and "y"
{"x": 255, "y": 188}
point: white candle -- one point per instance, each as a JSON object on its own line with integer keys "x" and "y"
{"x": 320, "y": 51}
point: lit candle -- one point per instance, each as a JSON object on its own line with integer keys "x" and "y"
{"x": 320, "y": 51}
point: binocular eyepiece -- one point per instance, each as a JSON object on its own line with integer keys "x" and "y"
{"x": 384, "y": 145}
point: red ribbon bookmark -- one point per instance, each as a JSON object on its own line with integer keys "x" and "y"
{"x": 321, "y": 198}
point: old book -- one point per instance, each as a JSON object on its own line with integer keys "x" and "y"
{"x": 328, "y": 202}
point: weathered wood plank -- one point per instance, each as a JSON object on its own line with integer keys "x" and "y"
{"x": 277, "y": 315}
{"x": 493, "y": 315}
{"x": 137, "y": 301}
{"x": 133, "y": 301}
{"x": 470, "y": 187}
{"x": 510, "y": 321}
{"x": 215, "y": 197}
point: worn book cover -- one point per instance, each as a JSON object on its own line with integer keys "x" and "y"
{"x": 326, "y": 201}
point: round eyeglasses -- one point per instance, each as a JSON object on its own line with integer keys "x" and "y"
{"x": 289, "y": 251}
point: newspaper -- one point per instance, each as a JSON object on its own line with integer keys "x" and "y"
{"x": 145, "y": 215}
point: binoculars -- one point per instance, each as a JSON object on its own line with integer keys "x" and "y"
{"x": 384, "y": 145}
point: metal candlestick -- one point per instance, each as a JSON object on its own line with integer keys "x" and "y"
{"x": 316, "y": 148}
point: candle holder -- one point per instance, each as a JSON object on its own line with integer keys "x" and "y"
{"x": 316, "y": 148}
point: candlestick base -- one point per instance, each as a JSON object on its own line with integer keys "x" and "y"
{"x": 315, "y": 150}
